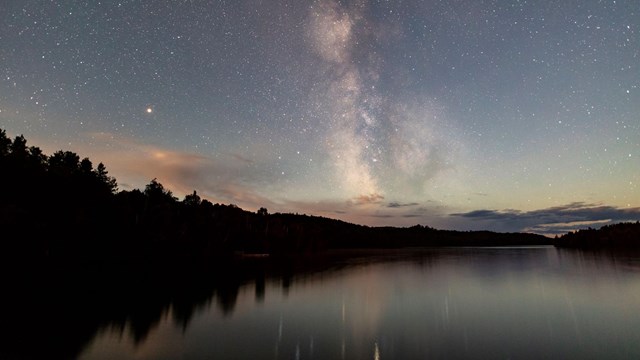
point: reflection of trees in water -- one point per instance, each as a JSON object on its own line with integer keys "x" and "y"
{"x": 63, "y": 309}
{"x": 227, "y": 295}
{"x": 260, "y": 289}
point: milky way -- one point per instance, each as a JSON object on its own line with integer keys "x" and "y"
{"x": 504, "y": 115}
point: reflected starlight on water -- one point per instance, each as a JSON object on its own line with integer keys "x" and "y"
{"x": 376, "y": 352}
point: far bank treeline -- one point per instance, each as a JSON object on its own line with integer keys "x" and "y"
{"x": 63, "y": 206}
{"x": 618, "y": 236}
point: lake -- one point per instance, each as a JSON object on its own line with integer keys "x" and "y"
{"x": 440, "y": 303}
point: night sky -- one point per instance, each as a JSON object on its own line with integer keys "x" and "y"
{"x": 499, "y": 115}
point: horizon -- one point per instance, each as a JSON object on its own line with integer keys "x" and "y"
{"x": 472, "y": 116}
{"x": 263, "y": 210}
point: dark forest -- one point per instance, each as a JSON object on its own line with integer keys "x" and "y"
{"x": 62, "y": 207}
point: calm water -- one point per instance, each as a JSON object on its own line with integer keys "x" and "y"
{"x": 496, "y": 303}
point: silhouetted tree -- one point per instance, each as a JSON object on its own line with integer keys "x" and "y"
{"x": 86, "y": 167}
{"x": 5, "y": 143}
{"x": 19, "y": 148}
{"x": 66, "y": 162}
{"x": 104, "y": 178}
{"x": 192, "y": 199}
{"x": 155, "y": 191}
{"x": 37, "y": 157}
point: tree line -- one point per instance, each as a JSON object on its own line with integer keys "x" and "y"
{"x": 622, "y": 235}
{"x": 61, "y": 206}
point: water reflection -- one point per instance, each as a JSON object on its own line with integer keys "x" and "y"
{"x": 440, "y": 303}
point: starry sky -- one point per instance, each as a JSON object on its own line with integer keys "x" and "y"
{"x": 500, "y": 115}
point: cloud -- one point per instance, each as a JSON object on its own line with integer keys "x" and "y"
{"x": 227, "y": 178}
{"x": 241, "y": 158}
{"x": 236, "y": 179}
{"x": 370, "y": 210}
{"x": 367, "y": 199}
{"x": 395, "y": 205}
{"x": 553, "y": 220}
{"x": 563, "y": 228}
